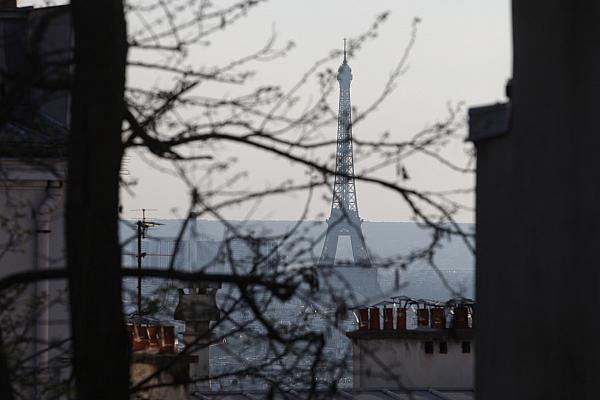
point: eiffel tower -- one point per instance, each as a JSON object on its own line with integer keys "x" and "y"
{"x": 344, "y": 219}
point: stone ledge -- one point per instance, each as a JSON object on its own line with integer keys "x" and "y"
{"x": 449, "y": 334}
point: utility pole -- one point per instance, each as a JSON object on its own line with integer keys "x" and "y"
{"x": 139, "y": 255}
{"x": 142, "y": 226}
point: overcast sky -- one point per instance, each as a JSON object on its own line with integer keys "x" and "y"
{"x": 462, "y": 54}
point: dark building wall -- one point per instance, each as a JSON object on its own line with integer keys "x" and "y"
{"x": 35, "y": 62}
{"x": 55, "y": 51}
{"x": 538, "y": 217}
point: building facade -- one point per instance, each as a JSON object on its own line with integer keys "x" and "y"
{"x": 414, "y": 345}
{"x": 35, "y": 51}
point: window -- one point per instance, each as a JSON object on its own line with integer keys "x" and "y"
{"x": 443, "y": 348}
{"x": 466, "y": 347}
{"x": 428, "y": 347}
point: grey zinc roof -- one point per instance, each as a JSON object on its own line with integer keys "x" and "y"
{"x": 345, "y": 394}
{"x": 40, "y": 137}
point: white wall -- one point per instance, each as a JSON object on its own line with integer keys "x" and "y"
{"x": 32, "y": 237}
{"x": 388, "y": 361}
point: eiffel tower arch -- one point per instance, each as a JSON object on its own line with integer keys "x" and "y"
{"x": 344, "y": 225}
{"x": 344, "y": 219}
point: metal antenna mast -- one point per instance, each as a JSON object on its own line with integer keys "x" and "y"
{"x": 344, "y": 219}
{"x": 142, "y": 226}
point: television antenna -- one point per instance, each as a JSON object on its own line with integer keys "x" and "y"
{"x": 142, "y": 226}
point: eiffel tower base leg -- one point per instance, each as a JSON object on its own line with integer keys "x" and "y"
{"x": 338, "y": 228}
{"x": 329, "y": 248}
{"x": 359, "y": 249}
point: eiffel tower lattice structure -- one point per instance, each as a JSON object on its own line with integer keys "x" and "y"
{"x": 344, "y": 219}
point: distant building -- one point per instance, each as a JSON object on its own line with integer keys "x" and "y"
{"x": 211, "y": 255}
{"x": 162, "y": 252}
{"x": 207, "y": 254}
{"x": 254, "y": 254}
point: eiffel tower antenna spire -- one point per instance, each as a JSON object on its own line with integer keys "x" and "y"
{"x": 344, "y": 219}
